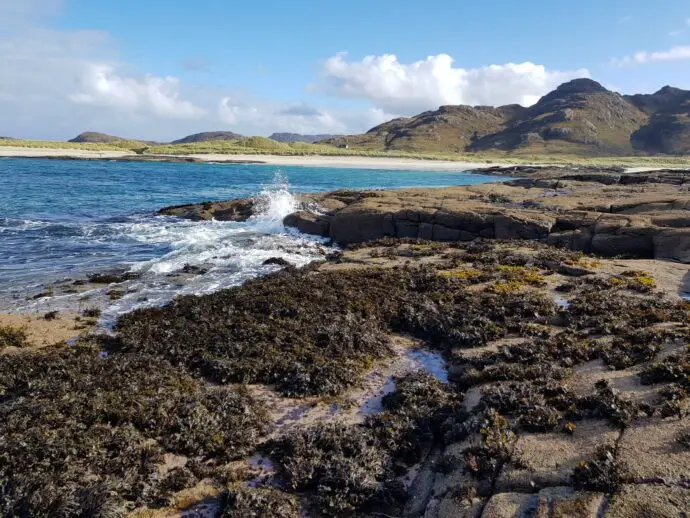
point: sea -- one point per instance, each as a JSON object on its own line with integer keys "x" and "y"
{"x": 62, "y": 220}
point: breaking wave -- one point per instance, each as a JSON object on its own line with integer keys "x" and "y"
{"x": 191, "y": 257}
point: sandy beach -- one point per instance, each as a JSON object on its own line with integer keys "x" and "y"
{"x": 355, "y": 162}
{"x": 26, "y": 152}
{"x": 352, "y": 162}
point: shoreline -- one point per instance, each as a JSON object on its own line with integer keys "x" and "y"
{"x": 335, "y": 161}
{"x": 354, "y": 162}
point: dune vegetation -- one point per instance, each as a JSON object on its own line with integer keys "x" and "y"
{"x": 265, "y": 146}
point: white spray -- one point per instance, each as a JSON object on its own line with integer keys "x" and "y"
{"x": 274, "y": 202}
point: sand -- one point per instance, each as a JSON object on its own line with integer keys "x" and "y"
{"x": 42, "y": 332}
{"x": 26, "y": 152}
{"x": 356, "y": 162}
{"x": 353, "y": 162}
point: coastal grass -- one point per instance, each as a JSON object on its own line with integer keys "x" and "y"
{"x": 265, "y": 146}
{"x": 123, "y": 145}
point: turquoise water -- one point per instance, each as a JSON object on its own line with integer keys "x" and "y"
{"x": 66, "y": 219}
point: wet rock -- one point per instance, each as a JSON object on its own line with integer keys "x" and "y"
{"x": 112, "y": 277}
{"x": 276, "y": 261}
{"x": 234, "y": 210}
{"x": 191, "y": 269}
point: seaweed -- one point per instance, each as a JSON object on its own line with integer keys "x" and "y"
{"x": 342, "y": 465}
{"x": 350, "y": 468}
{"x": 495, "y": 449}
{"x": 673, "y": 368}
{"x": 683, "y": 439}
{"x": 91, "y": 313}
{"x": 12, "y": 336}
{"x": 71, "y": 415}
{"x": 415, "y": 417}
{"x": 241, "y": 502}
{"x": 602, "y": 473}
{"x": 607, "y": 404}
{"x": 537, "y": 405}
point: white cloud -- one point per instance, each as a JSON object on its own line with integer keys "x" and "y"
{"x": 623, "y": 20}
{"x": 409, "y": 88}
{"x": 264, "y": 117}
{"x": 644, "y": 57}
{"x": 674, "y": 34}
{"x": 104, "y": 87}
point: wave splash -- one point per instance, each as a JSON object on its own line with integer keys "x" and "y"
{"x": 228, "y": 253}
{"x": 275, "y": 201}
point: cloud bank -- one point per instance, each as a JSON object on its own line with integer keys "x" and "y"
{"x": 102, "y": 86}
{"x": 409, "y": 88}
{"x": 643, "y": 57}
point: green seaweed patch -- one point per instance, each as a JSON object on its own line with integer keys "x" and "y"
{"x": 639, "y": 280}
{"x": 521, "y": 274}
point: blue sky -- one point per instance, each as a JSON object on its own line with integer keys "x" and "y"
{"x": 161, "y": 70}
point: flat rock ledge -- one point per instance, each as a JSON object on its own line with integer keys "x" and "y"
{"x": 605, "y": 212}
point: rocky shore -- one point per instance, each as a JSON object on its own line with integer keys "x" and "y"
{"x": 416, "y": 373}
{"x": 601, "y": 211}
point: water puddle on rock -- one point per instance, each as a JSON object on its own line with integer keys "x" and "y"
{"x": 263, "y": 469}
{"x": 359, "y": 402}
{"x": 561, "y": 302}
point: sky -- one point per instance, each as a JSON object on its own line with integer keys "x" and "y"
{"x": 163, "y": 70}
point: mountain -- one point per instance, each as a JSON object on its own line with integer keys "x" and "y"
{"x": 668, "y": 130}
{"x": 297, "y": 137}
{"x": 450, "y": 128}
{"x": 579, "y": 117}
{"x": 208, "y": 137}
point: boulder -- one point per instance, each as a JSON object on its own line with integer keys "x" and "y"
{"x": 673, "y": 244}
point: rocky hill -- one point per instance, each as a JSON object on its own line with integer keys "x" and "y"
{"x": 668, "y": 130}
{"x": 208, "y": 136}
{"x": 298, "y": 137}
{"x": 580, "y": 117}
{"x": 95, "y": 137}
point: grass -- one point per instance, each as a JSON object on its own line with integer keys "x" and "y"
{"x": 124, "y": 145}
{"x": 265, "y": 146}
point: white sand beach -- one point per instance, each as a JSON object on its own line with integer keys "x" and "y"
{"x": 355, "y": 162}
